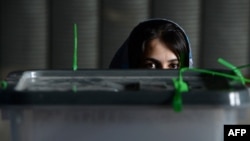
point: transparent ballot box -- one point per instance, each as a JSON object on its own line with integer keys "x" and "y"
{"x": 141, "y": 105}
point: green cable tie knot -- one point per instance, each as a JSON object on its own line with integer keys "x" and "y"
{"x": 180, "y": 87}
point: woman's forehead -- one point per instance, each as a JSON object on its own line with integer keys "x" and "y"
{"x": 158, "y": 50}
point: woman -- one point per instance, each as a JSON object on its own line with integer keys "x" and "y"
{"x": 154, "y": 44}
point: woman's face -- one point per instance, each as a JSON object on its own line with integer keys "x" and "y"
{"x": 157, "y": 55}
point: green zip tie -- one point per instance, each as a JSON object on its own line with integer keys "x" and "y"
{"x": 181, "y": 86}
{"x": 74, "y": 88}
{"x": 234, "y": 68}
{"x": 213, "y": 73}
{"x": 4, "y": 84}
{"x": 75, "y": 49}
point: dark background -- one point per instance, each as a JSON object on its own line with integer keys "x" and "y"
{"x": 38, "y": 34}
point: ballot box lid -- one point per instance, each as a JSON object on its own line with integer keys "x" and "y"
{"x": 119, "y": 87}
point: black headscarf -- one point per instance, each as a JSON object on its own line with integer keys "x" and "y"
{"x": 126, "y": 57}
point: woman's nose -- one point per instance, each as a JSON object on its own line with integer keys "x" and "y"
{"x": 164, "y": 66}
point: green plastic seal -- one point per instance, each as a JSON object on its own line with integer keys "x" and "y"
{"x": 4, "y": 84}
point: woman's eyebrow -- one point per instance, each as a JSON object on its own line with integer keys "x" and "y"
{"x": 152, "y": 59}
{"x": 157, "y": 61}
{"x": 173, "y": 60}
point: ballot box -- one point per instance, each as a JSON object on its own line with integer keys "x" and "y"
{"x": 120, "y": 105}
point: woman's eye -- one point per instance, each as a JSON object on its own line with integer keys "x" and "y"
{"x": 150, "y": 65}
{"x": 174, "y": 66}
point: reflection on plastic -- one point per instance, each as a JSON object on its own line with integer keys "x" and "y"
{"x": 234, "y": 98}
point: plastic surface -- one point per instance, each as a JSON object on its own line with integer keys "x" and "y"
{"x": 114, "y": 105}
{"x": 95, "y": 123}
